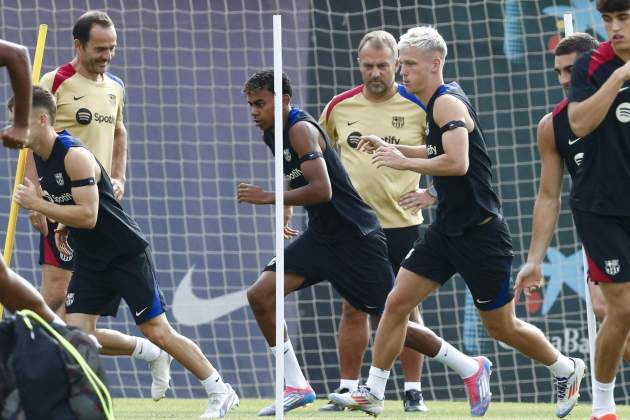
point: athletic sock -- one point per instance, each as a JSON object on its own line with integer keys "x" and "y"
{"x": 145, "y": 350}
{"x": 214, "y": 384}
{"x": 464, "y": 365}
{"x": 412, "y": 386}
{"x": 563, "y": 367}
{"x": 603, "y": 398}
{"x": 377, "y": 381}
{"x": 349, "y": 384}
{"x": 293, "y": 375}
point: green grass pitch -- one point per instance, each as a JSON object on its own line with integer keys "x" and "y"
{"x": 176, "y": 409}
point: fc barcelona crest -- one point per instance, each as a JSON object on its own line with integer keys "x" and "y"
{"x": 59, "y": 179}
{"x": 612, "y": 267}
{"x": 112, "y": 99}
{"x": 287, "y": 155}
{"x": 398, "y": 122}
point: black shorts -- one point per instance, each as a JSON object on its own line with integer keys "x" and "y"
{"x": 99, "y": 292}
{"x": 49, "y": 253}
{"x": 606, "y": 241}
{"x": 482, "y": 255}
{"x": 399, "y": 243}
{"x": 357, "y": 267}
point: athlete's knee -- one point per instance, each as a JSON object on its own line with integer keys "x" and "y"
{"x": 158, "y": 331}
{"x": 159, "y": 335}
{"x": 398, "y": 305}
{"x": 351, "y": 314}
{"x": 497, "y": 332}
{"x": 55, "y": 303}
{"x": 501, "y": 328}
{"x": 599, "y": 309}
{"x": 618, "y": 314}
{"x": 260, "y": 296}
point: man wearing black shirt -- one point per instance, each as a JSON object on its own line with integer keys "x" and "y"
{"x": 112, "y": 258}
{"x": 343, "y": 243}
{"x": 600, "y": 108}
{"x": 469, "y": 235}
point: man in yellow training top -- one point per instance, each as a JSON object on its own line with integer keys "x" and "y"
{"x": 379, "y": 106}
{"x": 90, "y": 106}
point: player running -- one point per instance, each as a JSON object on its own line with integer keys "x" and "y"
{"x": 469, "y": 235}
{"x": 383, "y": 107}
{"x": 343, "y": 242}
{"x": 113, "y": 259}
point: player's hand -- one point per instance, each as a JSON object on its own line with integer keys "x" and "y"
{"x": 38, "y": 221}
{"x": 289, "y": 232}
{"x": 371, "y": 143}
{"x": 118, "y": 186}
{"x": 390, "y": 157}
{"x": 61, "y": 240}
{"x": 27, "y": 195}
{"x": 415, "y": 201}
{"x": 529, "y": 278}
{"x": 14, "y": 137}
{"x": 253, "y": 194}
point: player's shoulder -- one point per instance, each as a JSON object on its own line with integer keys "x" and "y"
{"x": 115, "y": 79}
{"x": 546, "y": 123}
{"x": 561, "y": 107}
{"x": 54, "y": 80}
{"x": 596, "y": 60}
{"x": 343, "y": 97}
{"x": 76, "y": 149}
{"x": 410, "y": 97}
{"x": 67, "y": 140}
{"x": 445, "y": 101}
{"x": 545, "y": 133}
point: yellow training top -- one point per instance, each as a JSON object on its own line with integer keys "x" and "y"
{"x": 400, "y": 120}
{"x": 90, "y": 110}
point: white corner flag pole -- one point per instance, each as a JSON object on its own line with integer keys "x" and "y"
{"x": 568, "y": 24}
{"x": 590, "y": 315}
{"x": 279, "y": 185}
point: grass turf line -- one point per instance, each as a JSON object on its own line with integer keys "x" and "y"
{"x": 180, "y": 409}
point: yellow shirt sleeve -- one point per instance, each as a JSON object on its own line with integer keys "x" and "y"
{"x": 119, "y": 113}
{"x": 328, "y": 125}
{"x": 47, "y": 80}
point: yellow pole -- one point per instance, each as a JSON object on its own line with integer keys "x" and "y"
{"x": 19, "y": 172}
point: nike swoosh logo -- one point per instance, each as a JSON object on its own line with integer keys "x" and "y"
{"x": 574, "y": 141}
{"x": 351, "y": 123}
{"x": 623, "y": 88}
{"x": 40, "y": 178}
{"x": 484, "y": 301}
{"x": 140, "y": 312}
{"x": 76, "y": 98}
{"x": 191, "y": 310}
